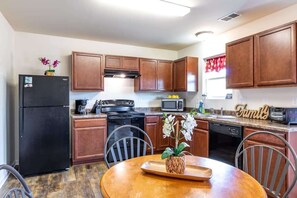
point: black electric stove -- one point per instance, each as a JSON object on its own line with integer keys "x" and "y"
{"x": 119, "y": 113}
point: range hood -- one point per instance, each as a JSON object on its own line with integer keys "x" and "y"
{"x": 109, "y": 73}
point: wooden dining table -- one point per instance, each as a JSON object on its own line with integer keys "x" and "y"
{"x": 126, "y": 179}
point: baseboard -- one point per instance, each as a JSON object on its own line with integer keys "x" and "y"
{"x": 5, "y": 176}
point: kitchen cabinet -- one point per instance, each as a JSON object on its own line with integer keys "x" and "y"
{"x": 200, "y": 139}
{"x": 87, "y": 72}
{"x": 156, "y": 75}
{"x": 240, "y": 63}
{"x": 269, "y": 141}
{"x": 148, "y": 79}
{"x": 275, "y": 56}
{"x": 88, "y": 140}
{"x": 162, "y": 143}
{"x": 185, "y": 77}
{"x": 122, "y": 63}
{"x": 264, "y": 59}
{"x": 152, "y": 124}
{"x": 164, "y": 75}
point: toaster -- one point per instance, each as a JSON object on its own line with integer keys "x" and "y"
{"x": 284, "y": 115}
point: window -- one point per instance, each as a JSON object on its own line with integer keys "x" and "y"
{"x": 214, "y": 78}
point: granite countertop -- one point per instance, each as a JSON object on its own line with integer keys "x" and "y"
{"x": 261, "y": 124}
{"x": 88, "y": 115}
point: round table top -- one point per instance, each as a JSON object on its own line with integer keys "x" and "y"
{"x": 126, "y": 179}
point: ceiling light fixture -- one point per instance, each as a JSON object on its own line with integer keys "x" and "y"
{"x": 203, "y": 35}
{"x": 158, "y": 7}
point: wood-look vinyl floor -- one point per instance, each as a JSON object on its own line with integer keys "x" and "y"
{"x": 78, "y": 181}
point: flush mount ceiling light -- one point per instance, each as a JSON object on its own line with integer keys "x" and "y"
{"x": 158, "y": 7}
{"x": 203, "y": 35}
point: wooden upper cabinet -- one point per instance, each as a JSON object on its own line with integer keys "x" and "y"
{"x": 185, "y": 76}
{"x": 240, "y": 63}
{"x": 87, "y": 72}
{"x": 275, "y": 56}
{"x": 131, "y": 63}
{"x": 148, "y": 79}
{"x": 165, "y": 75}
{"x": 122, "y": 63}
{"x": 113, "y": 62}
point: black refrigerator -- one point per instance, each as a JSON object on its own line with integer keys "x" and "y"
{"x": 43, "y": 124}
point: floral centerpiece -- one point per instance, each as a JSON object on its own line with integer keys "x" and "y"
{"x": 51, "y": 66}
{"x": 175, "y": 157}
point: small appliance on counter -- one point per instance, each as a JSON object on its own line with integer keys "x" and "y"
{"x": 80, "y": 106}
{"x": 283, "y": 115}
{"x": 172, "y": 104}
{"x": 97, "y": 107}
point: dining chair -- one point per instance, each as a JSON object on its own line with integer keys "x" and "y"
{"x": 122, "y": 145}
{"x": 267, "y": 164}
{"x": 16, "y": 192}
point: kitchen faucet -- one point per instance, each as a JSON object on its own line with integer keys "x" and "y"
{"x": 222, "y": 111}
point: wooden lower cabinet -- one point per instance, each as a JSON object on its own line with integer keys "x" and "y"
{"x": 200, "y": 139}
{"x": 152, "y": 128}
{"x": 88, "y": 140}
{"x": 269, "y": 141}
{"x": 198, "y": 145}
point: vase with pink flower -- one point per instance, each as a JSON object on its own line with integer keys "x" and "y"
{"x": 51, "y": 66}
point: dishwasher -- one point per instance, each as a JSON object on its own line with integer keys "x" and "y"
{"x": 223, "y": 142}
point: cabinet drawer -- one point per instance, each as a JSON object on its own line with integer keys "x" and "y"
{"x": 269, "y": 139}
{"x": 202, "y": 124}
{"x": 79, "y": 123}
{"x": 149, "y": 119}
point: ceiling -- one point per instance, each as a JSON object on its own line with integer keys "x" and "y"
{"x": 96, "y": 20}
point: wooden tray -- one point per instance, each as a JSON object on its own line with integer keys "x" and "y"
{"x": 197, "y": 173}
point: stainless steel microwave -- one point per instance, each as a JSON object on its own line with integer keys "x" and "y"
{"x": 172, "y": 104}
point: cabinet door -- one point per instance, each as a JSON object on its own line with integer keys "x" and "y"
{"x": 240, "y": 63}
{"x": 185, "y": 76}
{"x": 131, "y": 63}
{"x": 148, "y": 72}
{"x": 264, "y": 162}
{"x": 152, "y": 129}
{"x": 86, "y": 72}
{"x": 162, "y": 142}
{"x": 88, "y": 143}
{"x": 200, "y": 143}
{"x": 113, "y": 62}
{"x": 180, "y": 77}
{"x": 275, "y": 56}
{"x": 165, "y": 78}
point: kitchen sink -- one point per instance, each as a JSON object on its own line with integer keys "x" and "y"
{"x": 225, "y": 117}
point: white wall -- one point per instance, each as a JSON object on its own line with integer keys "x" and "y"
{"x": 6, "y": 77}
{"x": 253, "y": 97}
{"x": 29, "y": 47}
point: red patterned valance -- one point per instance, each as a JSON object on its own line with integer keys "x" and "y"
{"x": 215, "y": 64}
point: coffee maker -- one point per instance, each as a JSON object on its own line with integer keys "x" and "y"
{"x": 80, "y": 106}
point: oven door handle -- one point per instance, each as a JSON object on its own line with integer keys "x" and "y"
{"x": 119, "y": 118}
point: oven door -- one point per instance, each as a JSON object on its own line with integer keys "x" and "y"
{"x": 115, "y": 122}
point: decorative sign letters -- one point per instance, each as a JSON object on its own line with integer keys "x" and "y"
{"x": 261, "y": 114}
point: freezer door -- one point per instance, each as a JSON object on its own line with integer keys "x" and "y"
{"x": 43, "y": 91}
{"x": 44, "y": 139}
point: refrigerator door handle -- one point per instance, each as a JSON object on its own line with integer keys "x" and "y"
{"x": 22, "y": 123}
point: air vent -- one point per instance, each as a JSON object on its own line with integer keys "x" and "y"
{"x": 229, "y": 17}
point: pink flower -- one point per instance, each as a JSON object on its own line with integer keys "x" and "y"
{"x": 55, "y": 64}
{"x": 44, "y": 61}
